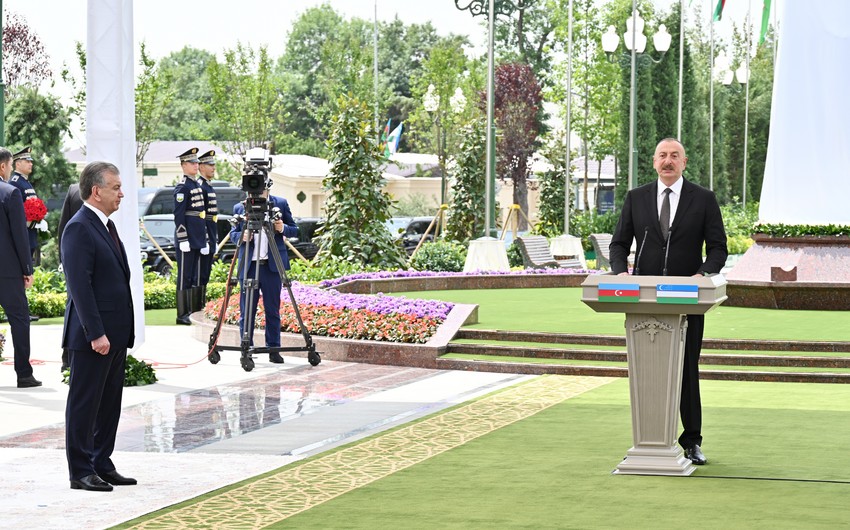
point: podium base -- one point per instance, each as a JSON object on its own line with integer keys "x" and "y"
{"x": 668, "y": 461}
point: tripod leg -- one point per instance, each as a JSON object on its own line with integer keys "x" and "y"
{"x": 312, "y": 355}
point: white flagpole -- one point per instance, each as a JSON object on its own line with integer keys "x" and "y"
{"x": 111, "y": 123}
{"x": 681, "y": 64}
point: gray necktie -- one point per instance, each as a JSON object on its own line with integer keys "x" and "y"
{"x": 664, "y": 218}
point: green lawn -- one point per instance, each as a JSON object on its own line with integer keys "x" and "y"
{"x": 153, "y": 317}
{"x": 770, "y": 466}
{"x": 560, "y": 310}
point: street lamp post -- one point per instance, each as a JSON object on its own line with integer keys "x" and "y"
{"x": 635, "y": 42}
{"x": 742, "y": 74}
{"x": 492, "y": 8}
{"x": 431, "y": 103}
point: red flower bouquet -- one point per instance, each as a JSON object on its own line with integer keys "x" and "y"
{"x": 34, "y": 210}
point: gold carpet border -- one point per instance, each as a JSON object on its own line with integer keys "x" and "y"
{"x": 295, "y": 489}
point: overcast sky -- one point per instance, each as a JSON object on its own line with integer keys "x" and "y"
{"x": 169, "y": 25}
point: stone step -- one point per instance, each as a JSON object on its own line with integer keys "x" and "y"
{"x": 620, "y": 356}
{"x": 487, "y": 365}
{"x": 616, "y": 340}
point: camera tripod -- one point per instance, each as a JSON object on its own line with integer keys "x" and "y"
{"x": 256, "y": 224}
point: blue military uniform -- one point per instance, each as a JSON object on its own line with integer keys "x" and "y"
{"x": 190, "y": 228}
{"x": 211, "y": 219}
{"x": 21, "y": 182}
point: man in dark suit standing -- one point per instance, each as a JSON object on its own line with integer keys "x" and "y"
{"x": 15, "y": 271}
{"x": 73, "y": 202}
{"x": 98, "y": 330}
{"x": 672, "y": 217}
{"x": 269, "y": 277}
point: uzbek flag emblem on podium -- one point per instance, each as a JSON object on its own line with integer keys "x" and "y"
{"x": 618, "y": 292}
{"x": 676, "y": 294}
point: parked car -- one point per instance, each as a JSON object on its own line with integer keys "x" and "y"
{"x": 156, "y": 201}
{"x": 410, "y": 230}
{"x": 162, "y": 226}
{"x": 305, "y": 242}
{"x": 152, "y": 257}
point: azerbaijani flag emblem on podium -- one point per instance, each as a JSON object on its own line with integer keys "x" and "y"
{"x": 618, "y": 292}
{"x": 676, "y": 294}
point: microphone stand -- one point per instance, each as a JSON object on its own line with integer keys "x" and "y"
{"x": 667, "y": 250}
{"x": 636, "y": 272}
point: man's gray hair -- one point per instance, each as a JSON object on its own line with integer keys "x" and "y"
{"x": 94, "y": 174}
{"x": 5, "y": 155}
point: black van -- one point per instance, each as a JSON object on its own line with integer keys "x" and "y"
{"x": 155, "y": 201}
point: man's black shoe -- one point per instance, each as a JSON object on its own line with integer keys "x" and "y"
{"x": 184, "y": 320}
{"x": 694, "y": 454}
{"x": 28, "y": 382}
{"x": 117, "y": 479}
{"x": 90, "y": 483}
{"x": 275, "y": 357}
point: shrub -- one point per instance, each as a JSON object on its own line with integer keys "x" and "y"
{"x": 738, "y": 244}
{"x": 440, "y": 256}
{"x": 514, "y": 255}
{"x": 219, "y": 271}
{"x": 326, "y": 268}
{"x": 216, "y": 290}
{"x": 47, "y": 281}
{"x": 47, "y": 304}
{"x": 136, "y": 373}
{"x": 160, "y": 295}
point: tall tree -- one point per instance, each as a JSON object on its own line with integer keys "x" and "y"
{"x": 24, "y": 60}
{"x": 466, "y": 215}
{"x": 245, "y": 103}
{"x": 154, "y": 91}
{"x": 357, "y": 207}
{"x": 518, "y": 107}
{"x": 40, "y": 121}
{"x": 185, "y": 117}
{"x": 527, "y": 36}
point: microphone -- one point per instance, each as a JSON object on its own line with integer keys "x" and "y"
{"x": 667, "y": 251}
{"x": 640, "y": 252}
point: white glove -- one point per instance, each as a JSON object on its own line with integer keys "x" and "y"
{"x": 42, "y": 225}
{"x": 184, "y": 246}
{"x": 205, "y": 251}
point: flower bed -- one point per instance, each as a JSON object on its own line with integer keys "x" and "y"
{"x": 421, "y": 274}
{"x": 332, "y": 314}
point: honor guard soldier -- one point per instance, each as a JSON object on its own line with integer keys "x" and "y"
{"x": 190, "y": 235}
{"x": 22, "y": 163}
{"x": 206, "y": 168}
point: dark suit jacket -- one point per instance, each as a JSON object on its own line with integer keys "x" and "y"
{"x": 98, "y": 280}
{"x": 16, "y": 261}
{"x": 698, "y": 220}
{"x": 290, "y": 229}
{"x": 73, "y": 202}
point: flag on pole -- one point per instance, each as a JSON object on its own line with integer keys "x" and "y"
{"x": 392, "y": 140}
{"x": 765, "y": 21}
{"x": 383, "y": 143}
{"x": 718, "y": 11}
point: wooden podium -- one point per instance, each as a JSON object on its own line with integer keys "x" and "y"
{"x": 655, "y": 308}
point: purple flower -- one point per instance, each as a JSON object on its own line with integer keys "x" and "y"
{"x": 380, "y": 303}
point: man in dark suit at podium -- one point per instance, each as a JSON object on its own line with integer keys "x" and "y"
{"x": 670, "y": 219}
